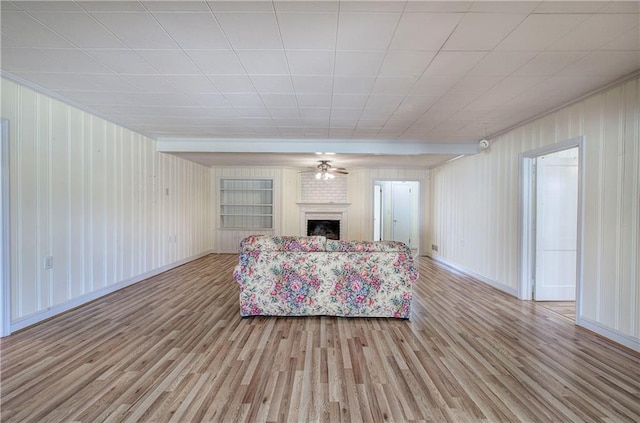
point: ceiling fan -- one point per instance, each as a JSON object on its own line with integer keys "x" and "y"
{"x": 326, "y": 171}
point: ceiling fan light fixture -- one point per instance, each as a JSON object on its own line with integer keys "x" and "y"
{"x": 318, "y": 175}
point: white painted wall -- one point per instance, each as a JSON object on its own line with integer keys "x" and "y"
{"x": 475, "y": 207}
{"x": 99, "y": 199}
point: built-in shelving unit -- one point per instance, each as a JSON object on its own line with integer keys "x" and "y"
{"x": 245, "y": 208}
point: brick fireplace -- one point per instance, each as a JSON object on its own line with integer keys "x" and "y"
{"x": 324, "y": 212}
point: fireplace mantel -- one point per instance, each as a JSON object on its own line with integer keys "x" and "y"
{"x": 330, "y": 211}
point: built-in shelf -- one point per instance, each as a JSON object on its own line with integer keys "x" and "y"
{"x": 246, "y": 204}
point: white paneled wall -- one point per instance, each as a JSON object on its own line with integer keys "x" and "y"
{"x": 475, "y": 206}
{"x": 360, "y": 195}
{"x": 285, "y": 210}
{"x": 97, "y": 198}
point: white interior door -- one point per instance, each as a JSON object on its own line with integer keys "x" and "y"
{"x": 401, "y": 198}
{"x": 556, "y": 227}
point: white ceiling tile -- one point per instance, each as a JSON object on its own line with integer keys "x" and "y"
{"x": 111, "y": 6}
{"x": 123, "y": 61}
{"x": 372, "y": 6}
{"x": 504, "y": 6}
{"x": 537, "y": 32}
{"x": 272, "y": 84}
{"x": 169, "y": 61}
{"x": 366, "y": 31}
{"x": 111, "y": 83}
{"x": 449, "y": 64}
{"x": 414, "y": 106}
{"x": 548, "y": 62}
{"x": 49, "y": 6}
{"x": 137, "y": 30}
{"x": 176, "y": 6}
{"x": 250, "y": 30}
{"x": 604, "y": 63}
{"x": 10, "y": 42}
{"x": 482, "y": 31}
{"x": 630, "y": 40}
{"x": 209, "y": 99}
{"x": 433, "y": 87}
{"x": 596, "y": 32}
{"x": 353, "y": 85}
{"x": 151, "y": 83}
{"x": 570, "y": 6}
{"x": 393, "y": 85}
{"x": 25, "y": 28}
{"x": 192, "y": 83}
{"x": 244, "y": 100}
{"x": 232, "y": 83}
{"x": 307, "y": 6}
{"x": 312, "y": 84}
{"x": 346, "y": 114}
{"x": 349, "y": 101}
{"x": 6, "y": 6}
{"x": 79, "y": 28}
{"x": 358, "y": 63}
{"x": 263, "y": 62}
{"x": 280, "y": 113}
{"x": 193, "y": 30}
{"x": 386, "y": 103}
{"x": 309, "y": 113}
{"x": 424, "y": 31}
{"x": 314, "y": 100}
{"x": 29, "y": 60}
{"x": 314, "y": 31}
{"x": 220, "y": 62}
{"x": 141, "y": 99}
{"x": 58, "y": 81}
{"x": 92, "y": 98}
{"x": 310, "y": 62}
{"x": 498, "y": 63}
{"x": 406, "y": 63}
{"x": 74, "y": 60}
{"x": 438, "y": 6}
{"x": 504, "y": 91}
{"x": 621, "y": 7}
{"x": 279, "y": 100}
{"x": 261, "y": 112}
{"x": 220, "y": 112}
{"x": 241, "y": 6}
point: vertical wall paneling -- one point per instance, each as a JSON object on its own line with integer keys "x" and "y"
{"x": 89, "y": 194}
{"x": 475, "y": 207}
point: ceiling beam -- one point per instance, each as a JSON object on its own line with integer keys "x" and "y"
{"x": 340, "y": 146}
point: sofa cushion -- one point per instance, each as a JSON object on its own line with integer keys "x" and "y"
{"x": 366, "y": 246}
{"x": 283, "y": 243}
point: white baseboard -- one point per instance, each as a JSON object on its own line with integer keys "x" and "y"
{"x": 612, "y": 334}
{"x": 491, "y": 282}
{"x": 76, "y": 302}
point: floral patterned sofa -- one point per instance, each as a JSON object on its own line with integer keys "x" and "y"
{"x": 301, "y": 276}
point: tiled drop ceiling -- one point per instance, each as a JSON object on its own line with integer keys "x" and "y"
{"x": 389, "y": 72}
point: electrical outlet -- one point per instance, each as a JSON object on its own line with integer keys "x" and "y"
{"x": 48, "y": 262}
{"x": 434, "y": 247}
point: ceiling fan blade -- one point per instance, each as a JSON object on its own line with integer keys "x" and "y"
{"x": 342, "y": 172}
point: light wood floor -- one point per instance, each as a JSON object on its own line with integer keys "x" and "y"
{"x": 174, "y": 348}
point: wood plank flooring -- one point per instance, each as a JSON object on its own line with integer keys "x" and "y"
{"x": 174, "y": 348}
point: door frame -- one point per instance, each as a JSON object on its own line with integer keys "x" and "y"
{"x": 526, "y": 218}
{"x": 420, "y": 183}
{"x": 5, "y": 241}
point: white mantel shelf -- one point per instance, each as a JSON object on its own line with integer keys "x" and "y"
{"x": 335, "y": 211}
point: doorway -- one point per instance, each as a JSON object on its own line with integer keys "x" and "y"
{"x": 5, "y": 259}
{"x": 551, "y": 196}
{"x": 396, "y": 212}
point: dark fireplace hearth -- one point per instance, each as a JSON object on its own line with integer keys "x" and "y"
{"x": 328, "y": 228}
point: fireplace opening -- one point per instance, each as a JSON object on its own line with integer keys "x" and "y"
{"x": 328, "y": 228}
